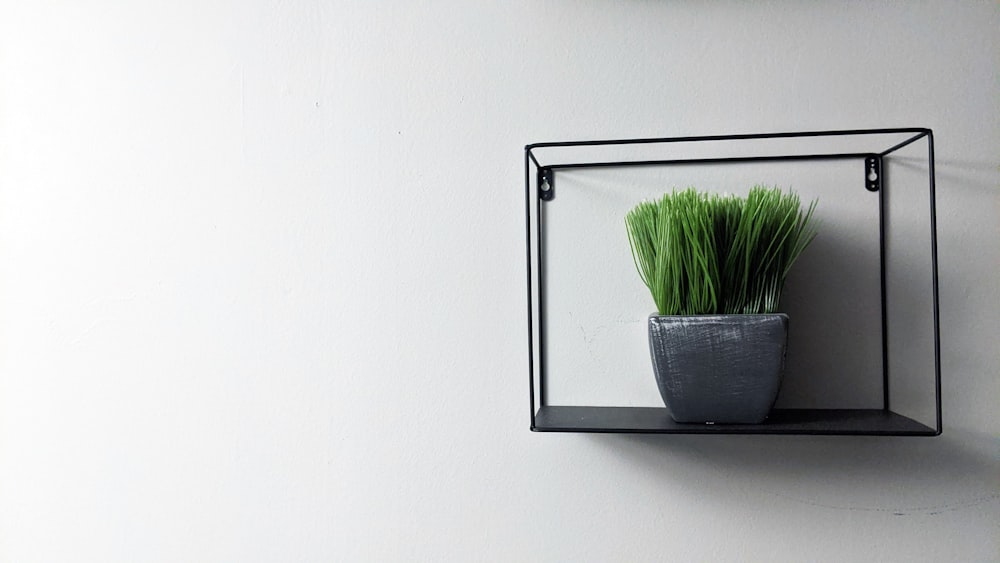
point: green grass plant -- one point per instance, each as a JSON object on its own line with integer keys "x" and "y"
{"x": 702, "y": 254}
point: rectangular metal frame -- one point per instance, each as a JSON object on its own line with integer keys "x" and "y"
{"x": 883, "y": 421}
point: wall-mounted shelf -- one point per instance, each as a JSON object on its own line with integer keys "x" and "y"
{"x": 894, "y": 167}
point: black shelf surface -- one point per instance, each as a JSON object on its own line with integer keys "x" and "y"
{"x": 653, "y": 420}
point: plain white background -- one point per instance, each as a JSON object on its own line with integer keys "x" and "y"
{"x": 262, "y": 285}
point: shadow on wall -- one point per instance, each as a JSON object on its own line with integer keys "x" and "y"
{"x": 968, "y": 200}
{"x": 833, "y": 298}
{"x": 899, "y": 476}
{"x": 834, "y": 341}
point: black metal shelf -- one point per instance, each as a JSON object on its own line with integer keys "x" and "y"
{"x": 871, "y": 148}
{"x": 655, "y": 420}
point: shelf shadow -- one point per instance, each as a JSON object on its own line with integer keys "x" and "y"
{"x": 901, "y": 476}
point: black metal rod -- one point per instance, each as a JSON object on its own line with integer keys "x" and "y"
{"x": 934, "y": 280}
{"x": 882, "y": 287}
{"x": 719, "y": 160}
{"x": 527, "y": 238}
{"x": 542, "y": 398}
{"x": 736, "y": 137}
{"x": 904, "y": 143}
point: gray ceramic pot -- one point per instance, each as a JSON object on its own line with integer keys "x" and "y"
{"x": 718, "y": 368}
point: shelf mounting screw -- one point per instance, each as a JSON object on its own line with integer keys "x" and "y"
{"x": 873, "y": 173}
{"x": 546, "y": 184}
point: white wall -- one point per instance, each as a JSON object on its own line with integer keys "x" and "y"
{"x": 262, "y": 286}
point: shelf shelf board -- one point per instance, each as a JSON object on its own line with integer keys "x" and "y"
{"x": 653, "y": 420}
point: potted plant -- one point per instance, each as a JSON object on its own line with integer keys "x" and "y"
{"x": 716, "y": 265}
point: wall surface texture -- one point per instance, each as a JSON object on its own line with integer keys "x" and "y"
{"x": 262, "y": 280}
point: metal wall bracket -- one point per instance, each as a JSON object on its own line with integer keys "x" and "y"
{"x": 873, "y": 173}
{"x": 546, "y": 184}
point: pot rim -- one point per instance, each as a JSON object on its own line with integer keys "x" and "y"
{"x": 717, "y": 315}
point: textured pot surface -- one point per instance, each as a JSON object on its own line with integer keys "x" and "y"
{"x": 718, "y": 368}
